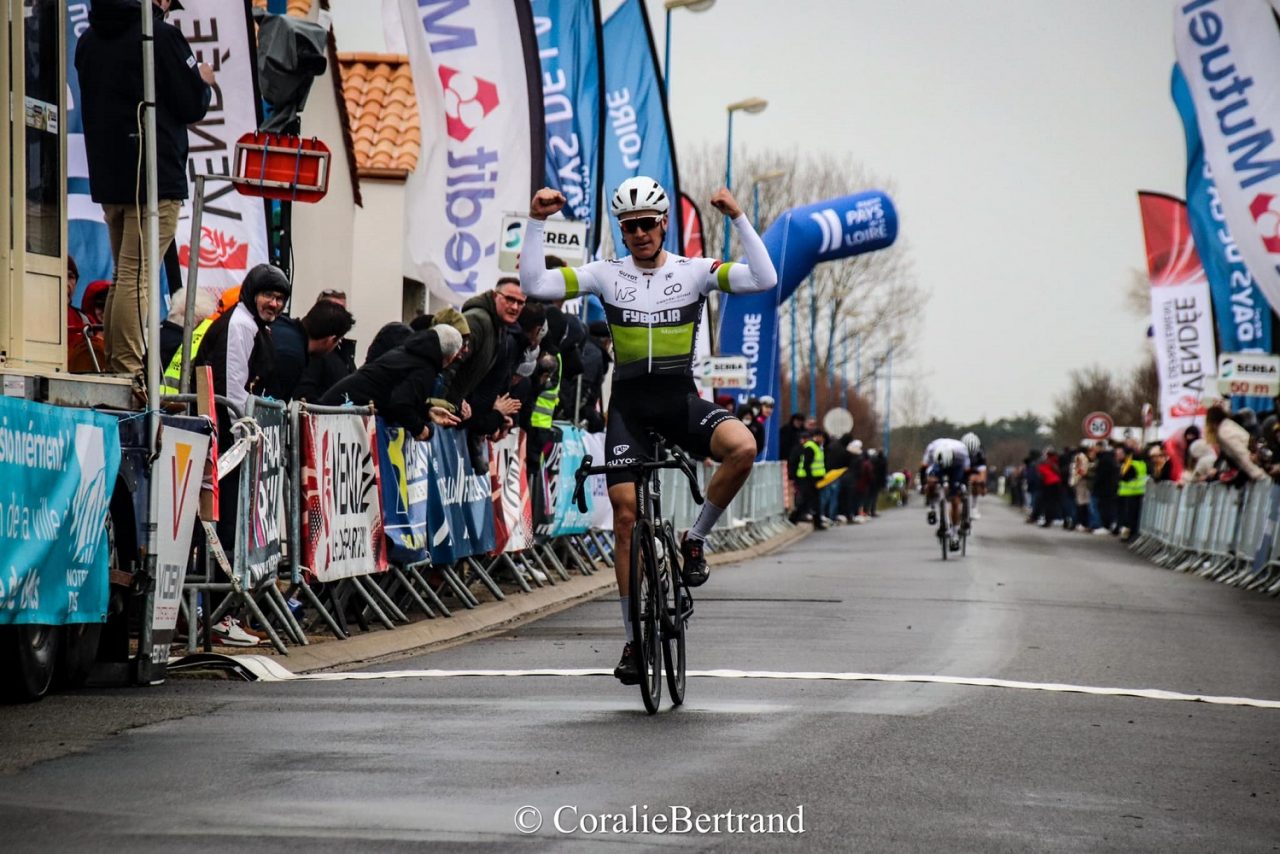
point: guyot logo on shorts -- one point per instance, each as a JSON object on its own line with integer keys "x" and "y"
{"x": 1266, "y": 213}
{"x": 467, "y": 100}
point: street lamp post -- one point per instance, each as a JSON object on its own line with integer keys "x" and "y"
{"x": 888, "y": 401}
{"x": 750, "y": 105}
{"x": 671, "y": 5}
{"x": 763, "y": 178}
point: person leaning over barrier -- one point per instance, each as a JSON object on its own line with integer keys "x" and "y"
{"x": 306, "y": 362}
{"x": 400, "y": 383}
{"x": 1233, "y": 443}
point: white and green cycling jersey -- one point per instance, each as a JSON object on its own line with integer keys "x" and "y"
{"x": 653, "y": 314}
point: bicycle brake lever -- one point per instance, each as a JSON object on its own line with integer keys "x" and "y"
{"x": 686, "y": 466}
{"x": 580, "y": 478}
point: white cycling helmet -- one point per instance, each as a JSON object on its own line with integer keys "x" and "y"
{"x": 638, "y": 194}
{"x": 943, "y": 457}
{"x": 971, "y": 442}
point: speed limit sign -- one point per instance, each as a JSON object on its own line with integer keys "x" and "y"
{"x": 1098, "y": 425}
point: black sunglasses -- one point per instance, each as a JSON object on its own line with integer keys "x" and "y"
{"x": 639, "y": 224}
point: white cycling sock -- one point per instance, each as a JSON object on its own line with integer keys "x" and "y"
{"x": 626, "y": 617}
{"x": 707, "y": 518}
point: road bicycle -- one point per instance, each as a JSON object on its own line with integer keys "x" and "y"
{"x": 661, "y": 604}
{"x": 943, "y": 504}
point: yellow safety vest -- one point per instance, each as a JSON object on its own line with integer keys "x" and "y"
{"x": 1137, "y": 486}
{"x": 173, "y": 373}
{"x": 818, "y": 468}
{"x": 544, "y": 408}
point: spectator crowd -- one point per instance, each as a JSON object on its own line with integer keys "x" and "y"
{"x": 1098, "y": 488}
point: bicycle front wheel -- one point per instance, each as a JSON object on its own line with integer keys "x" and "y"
{"x": 677, "y": 606}
{"x": 646, "y": 614}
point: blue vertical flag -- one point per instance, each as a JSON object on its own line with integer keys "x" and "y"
{"x": 637, "y": 130}
{"x": 1241, "y": 310}
{"x": 568, "y": 33}
{"x": 87, "y": 239}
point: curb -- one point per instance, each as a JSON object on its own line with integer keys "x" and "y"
{"x": 492, "y": 617}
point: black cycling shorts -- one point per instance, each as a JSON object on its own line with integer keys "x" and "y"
{"x": 671, "y": 409}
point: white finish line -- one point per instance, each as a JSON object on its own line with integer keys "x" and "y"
{"x": 266, "y": 669}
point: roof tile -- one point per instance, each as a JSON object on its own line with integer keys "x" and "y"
{"x": 382, "y": 109}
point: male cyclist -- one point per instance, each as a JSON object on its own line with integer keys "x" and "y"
{"x": 653, "y": 301}
{"x": 947, "y": 460}
{"x": 977, "y": 472}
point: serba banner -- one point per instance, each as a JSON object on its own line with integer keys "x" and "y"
{"x": 797, "y": 241}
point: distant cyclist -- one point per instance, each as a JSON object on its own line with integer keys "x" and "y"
{"x": 654, "y": 302}
{"x": 947, "y": 460}
{"x": 977, "y": 472}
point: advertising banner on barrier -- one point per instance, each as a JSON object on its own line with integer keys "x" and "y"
{"x": 342, "y": 510}
{"x": 258, "y": 552}
{"x": 479, "y": 89}
{"x": 404, "y": 466}
{"x": 559, "y": 465}
{"x": 1241, "y": 311}
{"x": 459, "y": 501}
{"x": 1229, "y": 52}
{"x": 799, "y": 239}
{"x": 58, "y": 466}
{"x": 176, "y": 477}
{"x": 568, "y": 33}
{"x": 512, "y": 503}
{"x": 601, "y": 516}
{"x": 637, "y": 138}
{"x": 1181, "y": 316}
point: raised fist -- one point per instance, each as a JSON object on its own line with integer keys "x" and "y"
{"x": 545, "y": 202}
{"x": 723, "y": 201}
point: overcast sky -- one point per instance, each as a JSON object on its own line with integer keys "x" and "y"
{"x": 1018, "y": 133}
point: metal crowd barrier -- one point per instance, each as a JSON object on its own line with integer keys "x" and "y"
{"x": 756, "y": 515}
{"x": 1220, "y": 532}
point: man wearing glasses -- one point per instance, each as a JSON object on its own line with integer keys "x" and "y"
{"x": 653, "y": 301}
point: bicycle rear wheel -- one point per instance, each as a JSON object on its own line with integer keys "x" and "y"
{"x": 646, "y": 611}
{"x": 673, "y": 652}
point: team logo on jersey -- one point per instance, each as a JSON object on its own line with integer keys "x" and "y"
{"x": 673, "y": 289}
{"x": 619, "y": 450}
{"x": 630, "y": 277}
{"x": 625, "y": 295}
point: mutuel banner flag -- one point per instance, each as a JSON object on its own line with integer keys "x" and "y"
{"x": 638, "y": 132}
{"x": 479, "y": 88}
{"x": 1180, "y": 311}
{"x": 1229, "y": 51}
{"x": 797, "y": 241}
{"x": 568, "y": 33}
{"x": 1241, "y": 311}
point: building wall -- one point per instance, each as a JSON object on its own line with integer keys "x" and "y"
{"x": 379, "y": 241}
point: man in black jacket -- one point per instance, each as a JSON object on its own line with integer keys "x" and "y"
{"x": 401, "y": 382}
{"x": 109, "y": 65}
{"x": 307, "y": 364}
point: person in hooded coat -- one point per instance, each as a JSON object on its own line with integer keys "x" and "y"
{"x": 238, "y": 344}
{"x": 400, "y": 382}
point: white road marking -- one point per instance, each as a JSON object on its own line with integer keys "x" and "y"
{"x": 267, "y": 669}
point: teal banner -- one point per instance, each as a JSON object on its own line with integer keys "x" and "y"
{"x": 58, "y": 469}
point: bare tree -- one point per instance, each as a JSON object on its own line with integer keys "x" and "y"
{"x": 851, "y": 312}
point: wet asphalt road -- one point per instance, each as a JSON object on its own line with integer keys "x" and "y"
{"x": 209, "y": 765}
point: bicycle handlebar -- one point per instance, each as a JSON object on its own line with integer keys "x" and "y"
{"x": 678, "y": 460}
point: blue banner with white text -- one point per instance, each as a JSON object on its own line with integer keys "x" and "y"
{"x": 1241, "y": 310}
{"x": 405, "y": 468}
{"x": 87, "y": 240}
{"x": 797, "y": 241}
{"x": 559, "y": 470}
{"x": 569, "y": 53}
{"x": 637, "y": 131}
{"x": 58, "y": 466}
{"x": 459, "y": 502}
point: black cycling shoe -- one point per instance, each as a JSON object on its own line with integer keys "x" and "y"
{"x": 933, "y": 517}
{"x": 693, "y": 568}
{"x": 627, "y": 672}
{"x": 955, "y": 544}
